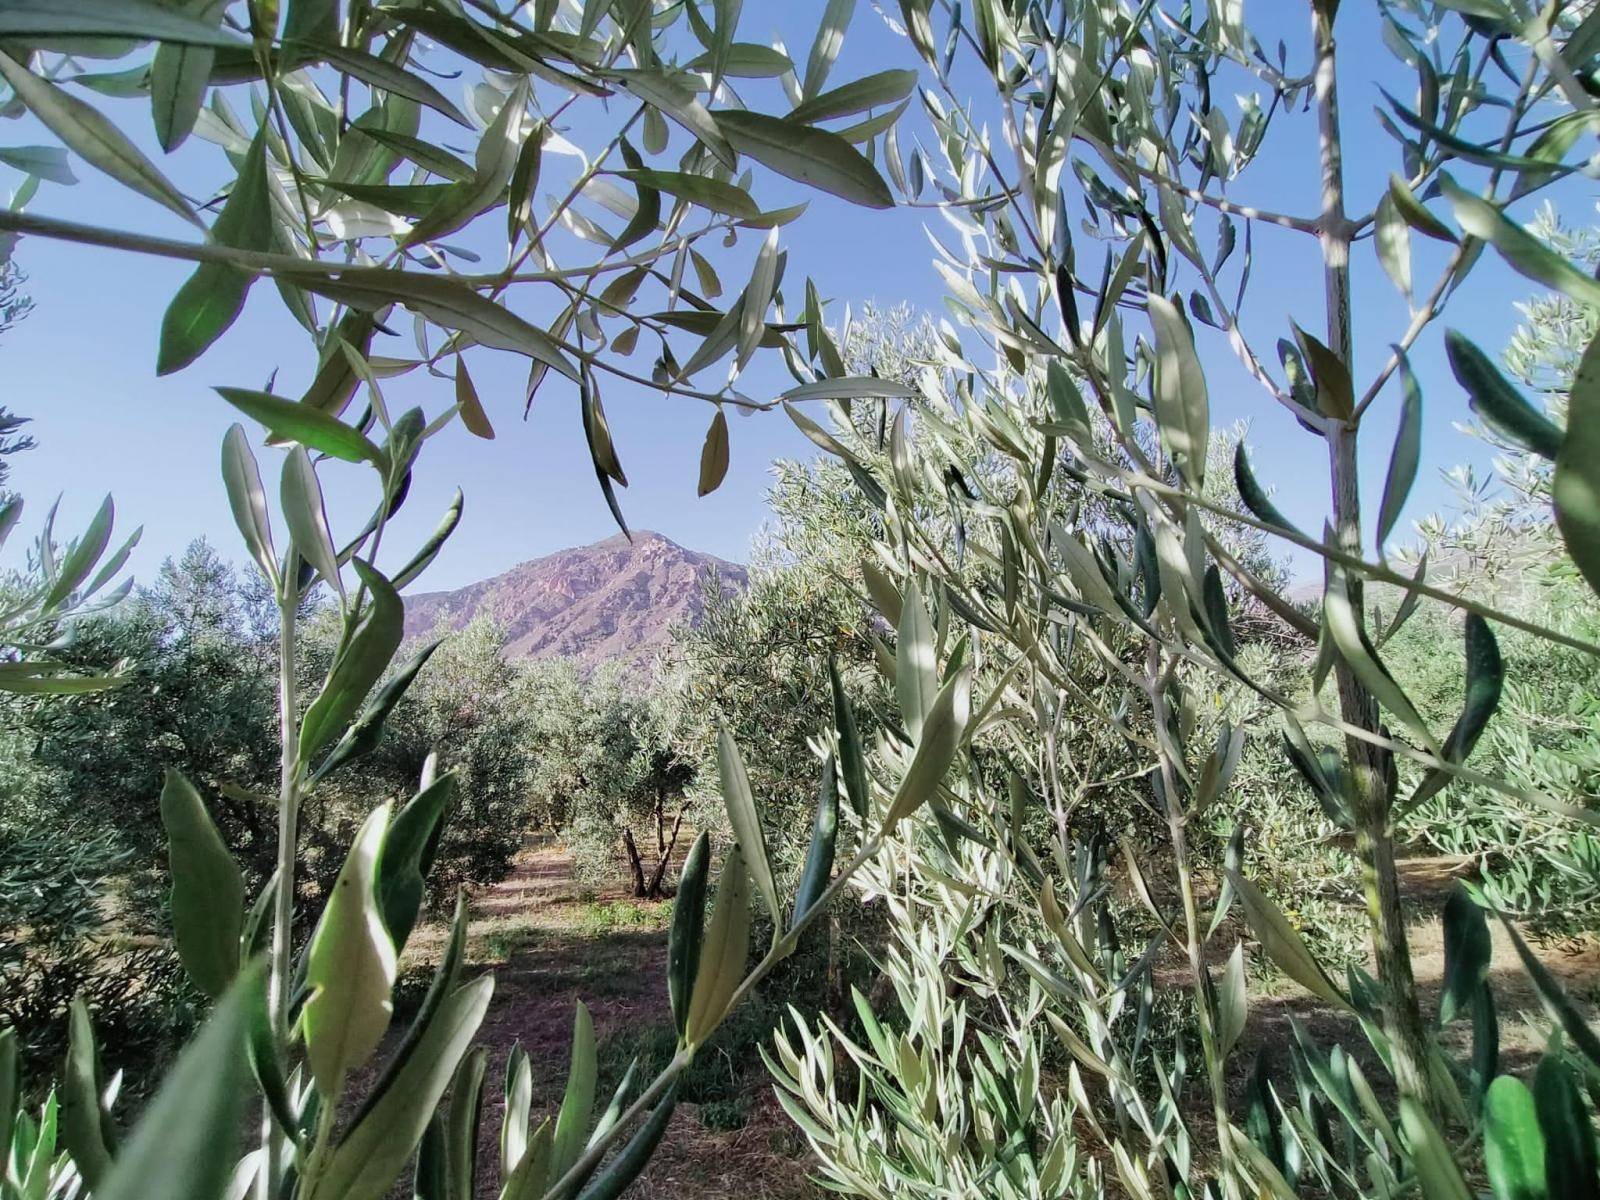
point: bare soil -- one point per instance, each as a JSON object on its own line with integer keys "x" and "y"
{"x": 551, "y": 943}
{"x": 1425, "y": 884}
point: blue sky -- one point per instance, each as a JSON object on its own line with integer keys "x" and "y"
{"x": 82, "y": 366}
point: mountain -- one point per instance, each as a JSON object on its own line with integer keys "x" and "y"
{"x": 614, "y": 599}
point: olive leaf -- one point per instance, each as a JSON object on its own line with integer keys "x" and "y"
{"x": 91, "y": 135}
{"x": 744, "y": 820}
{"x": 207, "y": 901}
{"x": 807, "y": 155}
{"x": 714, "y": 455}
{"x": 1407, "y": 452}
{"x": 1576, "y": 487}
{"x": 351, "y": 967}
{"x": 723, "y": 951}
{"x": 1182, "y": 405}
{"x": 1283, "y": 944}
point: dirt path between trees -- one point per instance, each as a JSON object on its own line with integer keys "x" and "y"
{"x": 550, "y": 943}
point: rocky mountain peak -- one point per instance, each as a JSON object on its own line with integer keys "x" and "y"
{"x": 612, "y": 599}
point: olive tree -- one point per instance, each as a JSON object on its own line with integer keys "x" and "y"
{"x": 1105, "y": 237}
{"x": 335, "y": 180}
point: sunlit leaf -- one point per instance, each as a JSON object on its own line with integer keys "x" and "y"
{"x": 745, "y": 820}
{"x": 807, "y": 155}
{"x": 351, "y": 967}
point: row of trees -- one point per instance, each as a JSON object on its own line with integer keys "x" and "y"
{"x": 1090, "y": 660}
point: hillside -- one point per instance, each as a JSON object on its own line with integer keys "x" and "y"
{"x": 611, "y": 600}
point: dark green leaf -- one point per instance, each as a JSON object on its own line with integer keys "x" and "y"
{"x": 408, "y": 854}
{"x": 688, "y": 926}
{"x": 444, "y": 301}
{"x": 436, "y": 540}
{"x": 1576, "y": 487}
{"x": 441, "y": 162}
{"x": 1499, "y": 405}
{"x": 10, "y": 1089}
{"x": 818, "y": 869}
{"x": 1419, "y": 218}
{"x": 382, "y": 74}
{"x": 807, "y": 155}
{"x": 363, "y": 736}
{"x": 635, "y": 1153}
{"x": 851, "y": 761}
{"x": 183, "y": 1146}
{"x": 723, "y": 951}
{"x": 212, "y": 298}
{"x": 1556, "y": 1000}
{"x": 461, "y": 1129}
{"x": 1466, "y": 954}
{"x": 402, "y": 199}
{"x": 1252, "y": 493}
{"x": 358, "y": 668}
{"x": 207, "y": 903}
{"x": 708, "y": 193}
{"x": 1404, "y": 457}
{"x": 1569, "y": 1146}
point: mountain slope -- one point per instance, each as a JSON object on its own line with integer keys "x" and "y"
{"x": 611, "y": 600}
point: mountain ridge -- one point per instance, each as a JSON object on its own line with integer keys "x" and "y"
{"x": 606, "y": 601}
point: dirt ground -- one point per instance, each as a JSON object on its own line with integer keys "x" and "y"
{"x": 1425, "y": 884}
{"x": 550, "y": 943}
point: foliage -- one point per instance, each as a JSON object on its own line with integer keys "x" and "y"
{"x": 200, "y": 696}
{"x": 336, "y": 182}
{"x": 1079, "y": 557}
{"x": 15, "y": 304}
{"x": 464, "y": 708}
{"x": 57, "y": 944}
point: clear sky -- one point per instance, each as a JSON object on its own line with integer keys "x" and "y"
{"x": 82, "y": 366}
